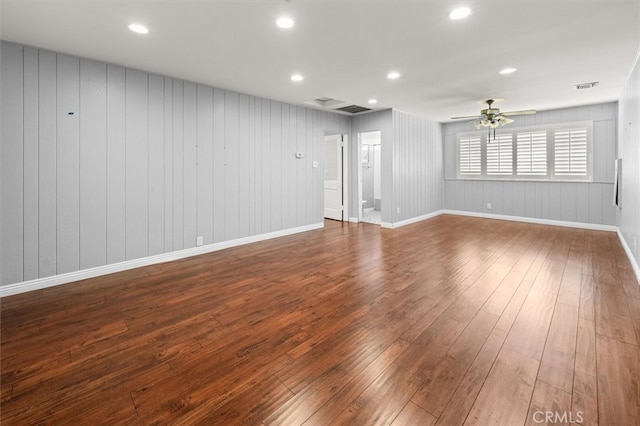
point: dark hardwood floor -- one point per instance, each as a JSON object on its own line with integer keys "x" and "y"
{"x": 450, "y": 321}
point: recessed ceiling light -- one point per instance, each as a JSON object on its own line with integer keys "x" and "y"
{"x": 373, "y": 101}
{"x": 508, "y": 71}
{"x": 140, "y": 29}
{"x": 284, "y": 22}
{"x": 460, "y": 13}
{"x": 393, "y": 75}
{"x": 297, "y": 77}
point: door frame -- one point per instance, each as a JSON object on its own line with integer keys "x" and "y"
{"x": 359, "y": 168}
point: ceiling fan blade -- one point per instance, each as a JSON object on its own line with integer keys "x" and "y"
{"x": 525, "y": 112}
{"x": 466, "y": 117}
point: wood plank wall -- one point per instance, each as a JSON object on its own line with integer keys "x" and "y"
{"x": 103, "y": 164}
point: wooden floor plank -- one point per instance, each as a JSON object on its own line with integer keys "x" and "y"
{"x": 585, "y": 385}
{"x": 613, "y": 318}
{"x": 437, "y": 390}
{"x": 462, "y": 400}
{"x": 529, "y": 332}
{"x": 505, "y": 396}
{"x": 587, "y": 289}
{"x": 556, "y": 367}
{"x": 618, "y": 382}
{"x": 382, "y": 401}
{"x": 412, "y": 414}
{"x": 450, "y": 320}
{"x": 340, "y": 399}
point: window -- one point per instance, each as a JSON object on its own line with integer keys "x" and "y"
{"x": 560, "y": 152}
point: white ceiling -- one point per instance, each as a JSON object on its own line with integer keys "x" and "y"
{"x": 345, "y": 48}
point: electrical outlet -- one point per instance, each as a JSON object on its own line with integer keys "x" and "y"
{"x": 199, "y": 241}
{"x": 398, "y": 210}
{"x": 488, "y": 206}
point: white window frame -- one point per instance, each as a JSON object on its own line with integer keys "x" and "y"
{"x": 550, "y": 130}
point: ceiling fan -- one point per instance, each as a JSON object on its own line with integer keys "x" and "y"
{"x": 491, "y": 117}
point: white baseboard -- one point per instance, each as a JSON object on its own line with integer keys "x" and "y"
{"x": 581, "y": 225}
{"x": 632, "y": 259}
{"x": 412, "y": 220}
{"x": 40, "y": 283}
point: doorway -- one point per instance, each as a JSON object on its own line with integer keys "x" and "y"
{"x": 370, "y": 182}
{"x": 333, "y": 177}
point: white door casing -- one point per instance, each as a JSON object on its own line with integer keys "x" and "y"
{"x": 333, "y": 177}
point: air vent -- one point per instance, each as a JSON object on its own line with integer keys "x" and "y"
{"x": 586, "y": 85}
{"x": 353, "y": 109}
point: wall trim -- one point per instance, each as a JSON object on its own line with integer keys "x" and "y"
{"x": 566, "y": 224}
{"x": 412, "y": 220}
{"x": 627, "y": 250}
{"x": 40, "y": 283}
{"x": 55, "y": 280}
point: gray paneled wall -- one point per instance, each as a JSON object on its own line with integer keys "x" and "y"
{"x": 566, "y": 201}
{"x": 629, "y": 149}
{"x": 102, "y": 164}
{"x": 412, "y": 172}
{"x": 417, "y": 166}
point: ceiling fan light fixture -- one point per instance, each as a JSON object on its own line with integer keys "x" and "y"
{"x": 460, "y": 13}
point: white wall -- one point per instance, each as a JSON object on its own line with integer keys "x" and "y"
{"x": 145, "y": 164}
{"x": 628, "y": 217}
{"x": 566, "y": 201}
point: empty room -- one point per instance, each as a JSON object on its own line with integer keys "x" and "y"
{"x": 310, "y": 212}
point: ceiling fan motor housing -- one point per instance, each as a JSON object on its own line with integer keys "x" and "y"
{"x": 490, "y": 111}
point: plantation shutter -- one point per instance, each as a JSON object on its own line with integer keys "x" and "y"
{"x": 469, "y": 156}
{"x": 531, "y": 148}
{"x": 500, "y": 155}
{"x": 571, "y": 152}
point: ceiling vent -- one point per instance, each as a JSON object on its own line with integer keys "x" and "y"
{"x": 353, "y": 109}
{"x": 586, "y": 85}
{"x": 335, "y": 105}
